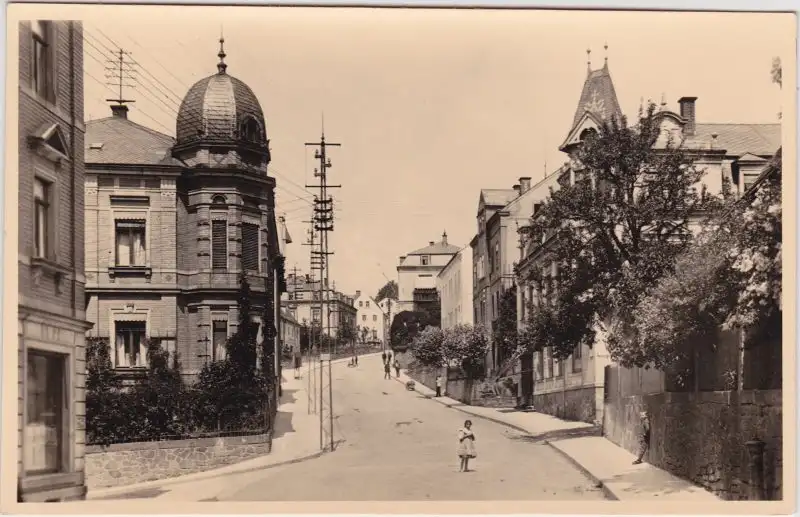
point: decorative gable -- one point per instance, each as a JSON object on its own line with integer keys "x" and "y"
{"x": 587, "y": 123}
{"x": 50, "y": 142}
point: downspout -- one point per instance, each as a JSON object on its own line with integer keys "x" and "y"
{"x": 73, "y": 162}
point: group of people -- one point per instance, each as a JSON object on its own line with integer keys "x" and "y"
{"x": 388, "y": 364}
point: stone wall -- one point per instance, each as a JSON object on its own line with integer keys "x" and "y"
{"x": 701, "y": 436}
{"x": 569, "y": 404}
{"x": 473, "y": 392}
{"x": 128, "y": 463}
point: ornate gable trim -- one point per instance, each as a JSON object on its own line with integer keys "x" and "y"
{"x": 50, "y": 142}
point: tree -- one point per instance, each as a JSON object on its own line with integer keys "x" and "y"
{"x": 466, "y": 345}
{"x": 346, "y": 333}
{"x": 427, "y": 347}
{"x": 616, "y": 231}
{"x": 363, "y": 335}
{"x": 105, "y": 416}
{"x": 504, "y": 327}
{"x": 405, "y": 327}
{"x": 389, "y": 290}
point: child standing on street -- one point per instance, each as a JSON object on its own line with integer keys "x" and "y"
{"x": 397, "y": 368}
{"x": 387, "y": 370}
{"x": 466, "y": 445}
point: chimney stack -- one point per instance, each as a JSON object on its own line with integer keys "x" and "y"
{"x": 444, "y": 238}
{"x": 525, "y": 184}
{"x": 358, "y": 293}
{"x": 688, "y": 114}
{"x": 516, "y": 189}
{"x": 119, "y": 110}
{"x": 431, "y": 243}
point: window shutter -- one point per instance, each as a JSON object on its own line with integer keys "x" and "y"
{"x": 250, "y": 247}
{"x": 219, "y": 244}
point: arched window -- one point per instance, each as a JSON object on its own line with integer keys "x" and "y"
{"x": 218, "y": 200}
{"x": 251, "y": 130}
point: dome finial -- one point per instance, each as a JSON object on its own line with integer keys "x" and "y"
{"x": 221, "y": 66}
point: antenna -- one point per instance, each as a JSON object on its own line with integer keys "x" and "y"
{"x": 118, "y": 72}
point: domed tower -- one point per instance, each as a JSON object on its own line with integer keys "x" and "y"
{"x": 226, "y": 214}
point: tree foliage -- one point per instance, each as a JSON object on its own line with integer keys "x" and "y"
{"x": 427, "y": 347}
{"x": 615, "y": 231}
{"x": 463, "y": 346}
{"x": 405, "y": 327}
{"x": 389, "y": 290}
{"x": 504, "y": 327}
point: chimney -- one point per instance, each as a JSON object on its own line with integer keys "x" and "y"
{"x": 525, "y": 184}
{"x": 516, "y": 189}
{"x": 431, "y": 243}
{"x": 358, "y": 293}
{"x": 444, "y": 238}
{"x": 119, "y": 110}
{"x": 688, "y": 113}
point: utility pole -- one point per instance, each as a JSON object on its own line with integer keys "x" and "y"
{"x": 312, "y": 379}
{"x": 323, "y": 223}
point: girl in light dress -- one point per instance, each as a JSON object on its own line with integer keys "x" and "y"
{"x": 466, "y": 445}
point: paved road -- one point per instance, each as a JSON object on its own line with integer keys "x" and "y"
{"x": 400, "y": 446}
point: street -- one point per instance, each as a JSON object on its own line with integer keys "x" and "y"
{"x": 397, "y": 445}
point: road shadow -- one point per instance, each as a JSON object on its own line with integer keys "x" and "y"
{"x": 283, "y": 424}
{"x": 287, "y": 396}
{"x": 559, "y": 434}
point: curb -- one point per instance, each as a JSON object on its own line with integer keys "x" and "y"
{"x": 598, "y": 483}
{"x": 465, "y": 411}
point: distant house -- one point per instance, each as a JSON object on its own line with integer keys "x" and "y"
{"x": 418, "y": 270}
{"x": 370, "y": 320}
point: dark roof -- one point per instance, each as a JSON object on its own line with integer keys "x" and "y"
{"x": 738, "y": 139}
{"x": 119, "y": 140}
{"x": 498, "y": 197}
{"x": 215, "y": 107}
{"x": 598, "y": 97}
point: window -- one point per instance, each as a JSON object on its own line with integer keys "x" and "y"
{"x": 360, "y": 304}
{"x": 130, "y": 243}
{"x": 219, "y": 338}
{"x": 250, "y": 247}
{"x": 577, "y": 355}
{"x": 251, "y": 130}
{"x": 41, "y": 217}
{"x": 42, "y": 60}
{"x": 46, "y": 403}
{"x": 425, "y": 260}
{"x": 315, "y": 314}
{"x": 219, "y": 244}
{"x": 364, "y": 317}
{"x": 218, "y": 200}
{"x": 374, "y": 334}
{"x": 367, "y": 303}
{"x": 131, "y": 344}
{"x": 374, "y": 317}
{"x": 497, "y": 255}
{"x": 748, "y": 180}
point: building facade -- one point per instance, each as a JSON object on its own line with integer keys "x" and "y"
{"x": 370, "y": 320}
{"x": 51, "y": 317}
{"x": 418, "y": 270}
{"x": 454, "y": 284}
{"x": 303, "y": 301}
{"x": 290, "y": 334}
{"x": 172, "y": 225}
{"x": 735, "y": 153}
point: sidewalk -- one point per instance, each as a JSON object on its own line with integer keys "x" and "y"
{"x": 296, "y": 438}
{"x": 610, "y": 466}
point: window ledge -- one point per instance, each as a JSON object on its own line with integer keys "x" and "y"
{"x": 142, "y": 271}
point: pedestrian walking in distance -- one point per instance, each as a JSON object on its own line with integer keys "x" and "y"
{"x": 387, "y": 371}
{"x": 466, "y": 445}
{"x": 397, "y": 368}
{"x": 383, "y": 356}
{"x": 644, "y": 436}
{"x": 439, "y": 385}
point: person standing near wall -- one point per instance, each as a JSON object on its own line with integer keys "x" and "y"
{"x": 644, "y": 436}
{"x": 439, "y": 385}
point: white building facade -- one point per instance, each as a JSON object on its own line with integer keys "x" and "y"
{"x": 419, "y": 269}
{"x": 370, "y": 324}
{"x": 454, "y": 284}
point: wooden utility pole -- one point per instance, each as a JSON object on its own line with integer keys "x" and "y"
{"x": 323, "y": 223}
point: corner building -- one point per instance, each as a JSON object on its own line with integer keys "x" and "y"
{"x": 172, "y": 224}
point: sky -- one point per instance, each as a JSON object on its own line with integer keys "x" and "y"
{"x": 430, "y": 106}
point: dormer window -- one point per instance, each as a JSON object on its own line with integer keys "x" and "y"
{"x": 218, "y": 200}
{"x": 425, "y": 260}
{"x": 251, "y": 130}
{"x": 586, "y": 133}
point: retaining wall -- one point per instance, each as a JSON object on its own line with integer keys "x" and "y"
{"x": 129, "y": 463}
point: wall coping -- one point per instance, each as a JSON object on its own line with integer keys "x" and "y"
{"x": 180, "y": 444}
{"x": 768, "y": 397}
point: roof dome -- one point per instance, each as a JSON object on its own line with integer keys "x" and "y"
{"x": 221, "y": 109}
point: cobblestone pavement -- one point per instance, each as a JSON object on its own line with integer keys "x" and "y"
{"x": 398, "y": 445}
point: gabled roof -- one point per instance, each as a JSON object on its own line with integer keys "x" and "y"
{"x": 497, "y": 197}
{"x": 122, "y": 141}
{"x": 738, "y": 139}
{"x": 598, "y": 97}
